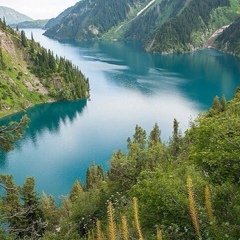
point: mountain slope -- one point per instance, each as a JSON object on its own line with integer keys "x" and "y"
{"x": 54, "y": 21}
{"x": 163, "y": 26}
{"x": 31, "y": 74}
{"x": 229, "y": 40}
{"x": 90, "y": 19}
{"x": 190, "y": 29}
{"x": 11, "y": 16}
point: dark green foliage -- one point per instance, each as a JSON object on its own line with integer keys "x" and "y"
{"x": 11, "y": 207}
{"x": 152, "y": 171}
{"x": 94, "y": 176}
{"x": 23, "y": 39}
{"x": 57, "y": 78}
{"x": 64, "y": 80}
{"x": 50, "y": 211}
{"x": 25, "y": 217}
{"x": 145, "y": 25}
{"x": 142, "y": 154}
{"x": 2, "y": 64}
{"x": 90, "y": 19}
{"x": 176, "y": 34}
{"x": 33, "y": 224}
{"x": 164, "y": 26}
{"x": 216, "y": 144}
{"x": 12, "y": 132}
{"x": 175, "y": 143}
{"x": 155, "y": 134}
{"x": 229, "y": 40}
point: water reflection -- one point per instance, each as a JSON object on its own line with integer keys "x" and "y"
{"x": 44, "y": 118}
{"x": 199, "y": 75}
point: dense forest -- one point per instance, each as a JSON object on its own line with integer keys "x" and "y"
{"x": 31, "y": 74}
{"x": 229, "y": 40}
{"x": 90, "y": 19}
{"x": 163, "y": 26}
{"x": 187, "y": 188}
{"x": 188, "y": 30}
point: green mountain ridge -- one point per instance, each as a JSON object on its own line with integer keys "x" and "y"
{"x": 31, "y": 74}
{"x": 163, "y": 26}
{"x": 229, "y": 40}
{"x": 31, "y": 24}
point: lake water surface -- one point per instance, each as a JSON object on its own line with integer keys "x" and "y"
{"x": 128, "y": 87}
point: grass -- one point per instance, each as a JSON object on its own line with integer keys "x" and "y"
{"x": 14, "y": 94}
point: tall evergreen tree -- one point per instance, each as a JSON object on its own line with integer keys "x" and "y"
{"x": 34, "y": 224}
{"x": 154, "y": 137}
{"x": 23, "y": 39}
{"x": 94, "y": 176}
{"x": 11, "y": 207}
{"x": 76, "y": 191}
{"x": 223, "y": 103}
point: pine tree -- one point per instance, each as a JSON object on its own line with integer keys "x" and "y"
{"x": 12, "y": 132}
{"x": 2, "y": 65}
{"x": 12, "y": 209}
{"x": 76, "y": 191}
{"x": 140, "y": 136}
{"x": 216, "y": 105}
{"x": 176, "y": 138}
{"x": 33, "y": 219}
{"x": 223, "y": 103}
{"x": 94, "y": 176}
{"x": 154, "y": 137}
{"x": 23, "y": 39}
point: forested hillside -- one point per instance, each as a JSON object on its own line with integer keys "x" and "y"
{"x": 31, "y": 74}
{"x": 54, "y": 21}
{"x": 187, "y": 188}
{"x": 190, "y": 29}
{"x": 163, "y": 26}
{"x": 90, "y": 19}
{"x": 229, "y": 40}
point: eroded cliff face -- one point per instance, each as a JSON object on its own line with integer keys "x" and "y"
{"x": 17, "y": 84}
{"x": 18, "y": 63}
{"x": 7, "y": 44}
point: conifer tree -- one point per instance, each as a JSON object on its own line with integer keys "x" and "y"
{"x": 139, "y": 137}
{"x": 11, "y": 205}
{"x": 176, "y": 138}
{"x": 2, "y": 65}
{"x": 23, "y": 39}
{"x": 33, "y": 224}
{"x": 223, "y": 103}
{"x": 12, "y": 132}
{"x": 94, "y": 176}
{"x": 154, "y": 137}
{"x": 216, "y": 105}
{"x": 76, "y": 191}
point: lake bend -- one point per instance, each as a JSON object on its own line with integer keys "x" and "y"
{"x": 128, "y": 86}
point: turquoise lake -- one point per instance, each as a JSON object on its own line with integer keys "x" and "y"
{"x": 128, "y": 87}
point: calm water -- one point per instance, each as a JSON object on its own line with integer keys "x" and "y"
{"x": 128, "y": 87}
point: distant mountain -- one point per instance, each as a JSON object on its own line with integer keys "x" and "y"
{"x": 11, "y": 16}
{"x": 163, "y": 26}
{"x": 229, "y": 40}
{"x": 54, "y": 21}
{"x": 30, "y": 24}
